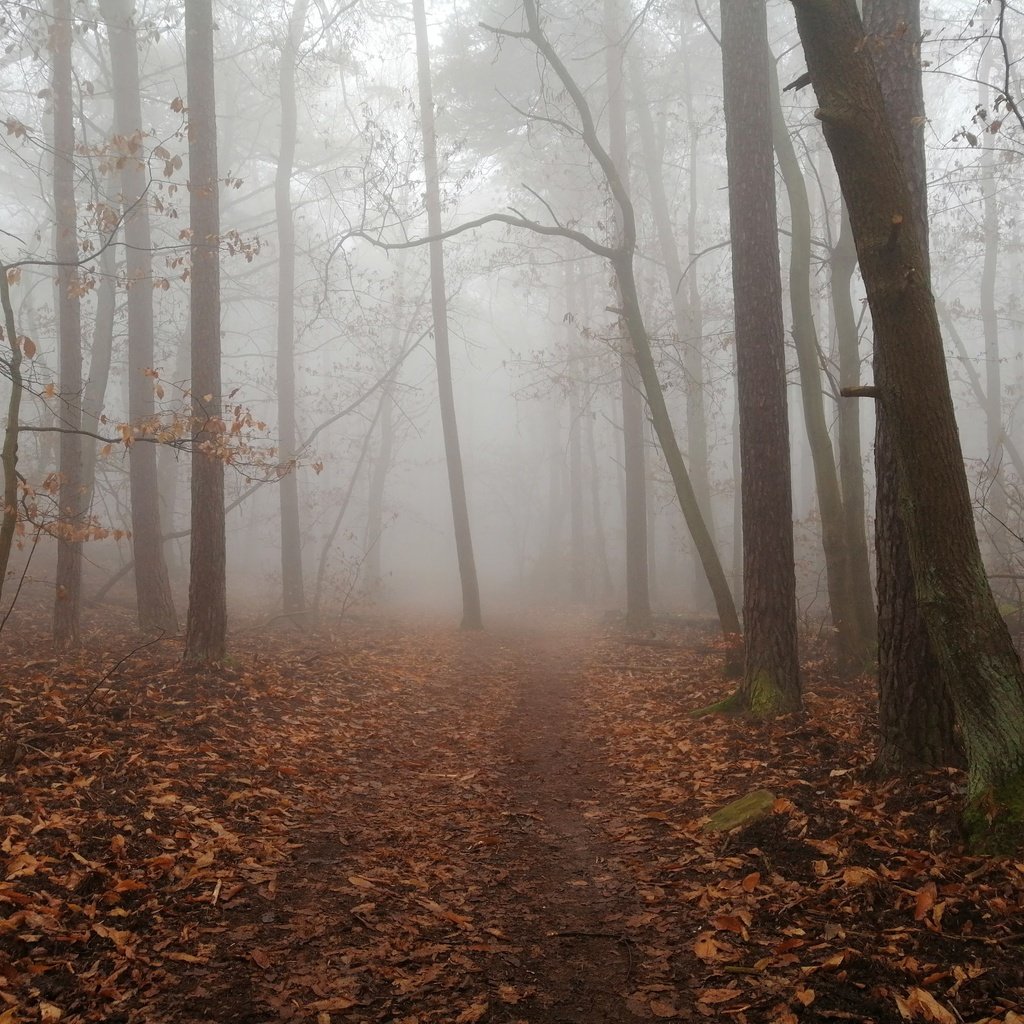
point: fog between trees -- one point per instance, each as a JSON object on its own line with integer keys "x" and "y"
{"x": 613, "y": 232}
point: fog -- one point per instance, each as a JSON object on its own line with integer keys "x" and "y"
{"x": 536, "y": 320}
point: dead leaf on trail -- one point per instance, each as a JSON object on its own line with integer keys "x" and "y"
{"x": 919, "y": 1004}
{"x": 925, "y": 900}
{"x": 472, "y": 1013}
{"x": 706, "y": 948}
{"x": 261, "y": 958}
{"x": 717, "y": 995}
{"x": 859, "y": 876}
{"x": 335, "y": 1003}
{"x": 660, "y": 1008}
{"x": 359, "y": 882}
{"x": 49, "y": 1014}
{"x": 752, "y": 881}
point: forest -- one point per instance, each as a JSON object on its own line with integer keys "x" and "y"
{"x": 513, "y": 511}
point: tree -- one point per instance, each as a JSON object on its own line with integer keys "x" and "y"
{"x": 471, "y": 613}
{"x": 972, "y": 644}
{"x": 638, "y": 598}
{"x": 293, "y": 594}
{"x": 152, "y": 586}
{"x": 771, "y": 678}
{"x": 206, "y": 629}
{"x": 915, "y": 713}
{"x": 853, "y": 633}
{"x": 67, "y": 604}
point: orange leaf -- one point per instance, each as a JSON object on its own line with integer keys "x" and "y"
{"x": 472, "y": 1013}
{"x": 752, "y": 881}
{"x": 925, "y": 900}
{"x": 260, "y": 958}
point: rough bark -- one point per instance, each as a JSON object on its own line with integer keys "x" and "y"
{"x": 71, "y": 523}
{"x": 206, "y": 629}
{"x": 152, "y": 587}
{"x": 853, "y": 640}
{"x": 472, "y": 617}
{"x": 970, "y": 639}
{"x": 915, "y": 713}
{"x": 292, "y": 589}
{"x": 771, "y": 678}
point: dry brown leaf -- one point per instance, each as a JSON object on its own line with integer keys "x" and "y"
{"x": 924, "y": 1006}
{"x": 925, "y": 900}
{"x": 472, "y": 1013}
{"x": 261, "y": 958}
{"x": 663, "y": 1009}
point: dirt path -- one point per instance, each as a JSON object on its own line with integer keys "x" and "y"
{"x": 578, "y": 957}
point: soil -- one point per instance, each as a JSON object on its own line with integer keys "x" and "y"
{"x": 404, "y": 823}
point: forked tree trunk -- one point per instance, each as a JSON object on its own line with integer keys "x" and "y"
{"x": 71, "y": 523}
{"x": 152, "y": 586}
{"x": 292, "y": 589}
{"x": 771, "y": 677}
{"x": 971, "y": 642}
{"x": 914, "y": 711}
{"x": 206, "y": 630}
{"x": 472, "y": 617}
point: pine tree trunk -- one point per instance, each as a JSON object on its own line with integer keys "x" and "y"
{"x": 771, "y": 678}
{"x": 971, "y": 642}
{"x": 206, "y": 629}
{"x": 915, "y": 712}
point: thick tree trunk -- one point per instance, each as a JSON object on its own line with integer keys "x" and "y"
{"x": 971, "y": 642}
{"x": 472, "y": 617}
{"x": 292, "y": 590}
{"x": 71, "y": 525}
{"x": 152, "y": 586}
{"x": 771, "y": 678}
{"x": 206, "y": 630}
{"x": 915, "y": 712}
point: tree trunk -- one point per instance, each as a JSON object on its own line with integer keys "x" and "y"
{"x": 686, "y": 318}
{"x": 842, "y": 264}
{"x": 771, "y": 677}
{"x": 206, "y": 630}
{"x": 71, "y": 524}
{"x": 638, "y": 598}
{"x": 854, "y": 645}
{"x": 471, "y": 613}
{"x": 915, "y": 713}
{"x": 971, "y": 642}
{"x": 577, "y": 539}
{"x": 293, "y": 592}
{"x": 152, "y": 586}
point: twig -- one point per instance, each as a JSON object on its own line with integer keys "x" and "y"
{"x": 117, "y": 664}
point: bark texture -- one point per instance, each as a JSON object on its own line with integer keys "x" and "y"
{"x": 915, "y": 712}
{"x": 971, "y": 642}
{"x": 152, "y": 585}
{"x": 206, "y": 630}
{"x": 72, "y": 513}
{"x": 771, "y": 678}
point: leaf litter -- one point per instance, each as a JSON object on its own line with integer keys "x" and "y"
{"x": 405, "y": 823}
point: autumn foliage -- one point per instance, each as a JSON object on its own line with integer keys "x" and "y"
{"x": 411, "y": 824}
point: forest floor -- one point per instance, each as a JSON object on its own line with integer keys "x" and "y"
{"x": 404, "y": 823}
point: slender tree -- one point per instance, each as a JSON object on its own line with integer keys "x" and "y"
{"x": 152, "y": 586}
{"x": 471, "y": 614}
{"x": 67, "y": 605}
{"x": 293, "y": 592}
{"x": 206, "y": 630}
{"x": 638, "y": 598}
{"x": 771, "y": 679}
{"x": 972, "y": 644}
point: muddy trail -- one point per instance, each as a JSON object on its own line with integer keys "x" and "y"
{"x": 408, "y": 824}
